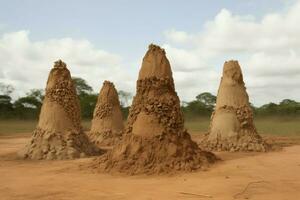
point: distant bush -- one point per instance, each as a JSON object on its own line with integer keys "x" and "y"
{"x": 285, "y": 107}
{"x": 29, "y": 106}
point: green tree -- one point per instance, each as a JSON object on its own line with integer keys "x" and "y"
{"x": 202, "y": 106}
{"x": 87, "y": 105}
{"x": 267, "y": 109}
{"x": 289, "y": 107}
{"x": 6, "y": 89}
{"x": 33, "y": 99}
{"x": 207, "y": 99}
{"x": 196, "y": 108}
{"x": 30, "y": 105}
{"x": 38, "y": 94}
{"x": 6, "y": 107}
{"x": 288, "y": 102}
{"x": 81, "y": 86}
{"x": 86, "y": 97}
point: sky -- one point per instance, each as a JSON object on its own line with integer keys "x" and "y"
{"x": 106, "y": 40}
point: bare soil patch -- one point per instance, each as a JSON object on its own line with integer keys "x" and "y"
{"x": 273, "y": 176}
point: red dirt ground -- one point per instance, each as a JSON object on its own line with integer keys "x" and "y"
{"x": 265, "y": 176}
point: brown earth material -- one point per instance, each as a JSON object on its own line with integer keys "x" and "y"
{"x": 59, "y": 134}
{"x": 272, "y": 176}
{"x": 232, "y": 127}
{"x": 155, "y": 140}
{"x": 107, "y": 124}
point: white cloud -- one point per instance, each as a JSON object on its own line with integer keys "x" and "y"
{"x": 26, "y": 64}
{"x": 179, "y": 37}
{"x": 268, "y": 50}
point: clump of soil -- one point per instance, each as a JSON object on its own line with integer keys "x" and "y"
{"x": 107, "y": 124}
{"x": 59, "y": 134}
{"x": 232, "y": 127}
{"x": 155, "y": 140}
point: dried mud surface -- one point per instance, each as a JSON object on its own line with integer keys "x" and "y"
{"x": 269, "y": 177}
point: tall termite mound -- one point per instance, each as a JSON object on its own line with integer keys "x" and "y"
{"x": 232, "y": 127}
{"x": 59, "y": 134}
{"x": 107, "y": 124}
{"x": 155, "y": 140}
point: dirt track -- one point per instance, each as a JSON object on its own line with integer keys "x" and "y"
{"x": 271, "y": 176}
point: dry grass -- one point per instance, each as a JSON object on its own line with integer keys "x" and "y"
{"x": 277, "y": 126}
{"x": 267, "y": 126}
{"x": 197, "y": 125}
{"x": 8, "y": 127}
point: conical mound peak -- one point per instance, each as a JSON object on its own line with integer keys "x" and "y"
{"x": 59, "y": 64}
{"x": 232, "y": 90}
{"x": 155, "y": 64}
{"x": 108, "y": 93}
{"x": 60, "y": 76}
{"x": 107, "y": 123}
{"x": 232, "y": 72}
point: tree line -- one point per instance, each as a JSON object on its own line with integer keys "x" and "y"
{"x": 29, "y": 105}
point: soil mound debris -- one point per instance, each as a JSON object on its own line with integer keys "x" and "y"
{"x": 232, "y": 127}
{"x": 107, "y": 124}
{"x": 59, "y": 134}
{"x": 154, "y": 139}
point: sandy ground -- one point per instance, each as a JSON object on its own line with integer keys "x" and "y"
{"x": 274, "y": 176}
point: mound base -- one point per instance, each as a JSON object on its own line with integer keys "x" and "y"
{"x": 104, "y": 138}
{"x": 243, "y": 143}
{"x": 162, "y": 154}
{"x": 232, "y": 129}
{"x": 51, "y": 146}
